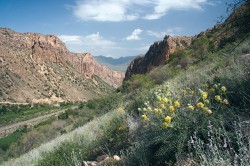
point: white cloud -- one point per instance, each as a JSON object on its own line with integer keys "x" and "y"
{"x": 93, "y": 43}
{"x": 169, "y": 31}
{"x": 125, "y": 10}
{"x": 104, "y": 10}
{"x": 135, "y": 35}
{"x": 163, "y": 6}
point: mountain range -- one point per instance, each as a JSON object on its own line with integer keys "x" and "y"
{"x": 118, "y": 64}
{"x": 39, "y": 68}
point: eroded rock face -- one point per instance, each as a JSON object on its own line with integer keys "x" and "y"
{"x": 35, "y": 66}
{"x": 157, "y": 54}
{"x": 87, "y": 65}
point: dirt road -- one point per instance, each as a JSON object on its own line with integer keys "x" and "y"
{"x": 11, "y": 128}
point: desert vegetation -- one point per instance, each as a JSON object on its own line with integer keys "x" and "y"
{"x": 193, "y": 110}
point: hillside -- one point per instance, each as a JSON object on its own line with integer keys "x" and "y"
{"x": 118, "y": 64}
{"x": 186, "y": 102}
{"x": 39, "y": 68}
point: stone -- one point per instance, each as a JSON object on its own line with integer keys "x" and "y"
{"x": 157, "y": 54}
{"x": 117, "y": 158}
{"x": 84, "y": 163}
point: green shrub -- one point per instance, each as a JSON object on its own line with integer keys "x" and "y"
{"x": 137, "y": 81}
{"x": 5, "y": 142}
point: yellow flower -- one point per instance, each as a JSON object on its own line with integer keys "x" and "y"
{"x": 200, "y": 105}
{"x": 204, "y": 95}
{"x": 165, "y": 125}
{"x": 177, "y": 104}
{"x": 217, "y": 98}
{"x": 171, "y": 109}
{"x": 223, "y": 89}
{"x": 191, "y": 108}
{"x": 211, "y": 90}
{"x": 225, "y": 101}
{"x": 168, "y": 119}
{"x": 144, "y": 117}
{"x": 209, "y": 112}
{"x": 165, "y": 100}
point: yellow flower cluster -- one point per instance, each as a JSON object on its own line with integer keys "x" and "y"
{"x": 144, "y": 117}
{"x": 165, "y": 106}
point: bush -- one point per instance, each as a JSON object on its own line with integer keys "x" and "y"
{"x": 169, "y": 119}
{"x": 221, "y": 147}
{"x": 137, "y": 81}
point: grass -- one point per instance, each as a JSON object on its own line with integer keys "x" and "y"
{"x": 84, "y": 135}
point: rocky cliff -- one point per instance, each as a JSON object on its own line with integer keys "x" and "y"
{"x": 157, "y": 54}
{"x": 88, "y": 66}
{"x": 38, "y": 67}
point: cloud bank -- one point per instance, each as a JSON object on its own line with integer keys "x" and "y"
{"x": 127, "y": 10}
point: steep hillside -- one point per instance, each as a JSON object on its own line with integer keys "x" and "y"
{"x": 157, "y": 54}
{"x": 39, "y": 68}
{"x": 119, "y": 64}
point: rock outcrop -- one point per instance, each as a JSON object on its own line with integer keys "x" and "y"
{"x": 157, "y": 54}
{"x": 103, "y": 160}
{"x": 38, "y": 67}
{"x": 88, "y": 66}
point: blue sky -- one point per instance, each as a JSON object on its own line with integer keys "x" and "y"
{"x": 111, "y": 27}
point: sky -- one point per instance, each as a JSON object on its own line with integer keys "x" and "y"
{"x": 112, "y": 28}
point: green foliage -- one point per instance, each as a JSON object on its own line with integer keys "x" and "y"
{"x": 64, "y": 115}
{"x": 92, "y": 104}
{"x": 11, "y": 113}
{"x": 5, "y": 142}
{"x": 137, "y": 81}
{"x": 105, "y": 103}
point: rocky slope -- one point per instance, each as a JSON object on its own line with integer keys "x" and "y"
{"x": 88, "y": 66}
{"x": 35, "y": 67}
{"x": 157, "y": 54}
